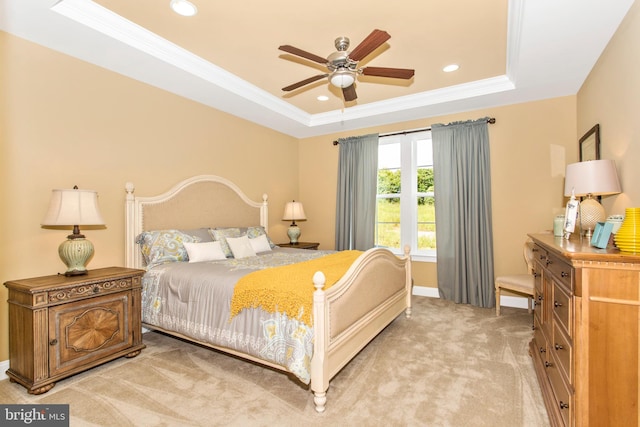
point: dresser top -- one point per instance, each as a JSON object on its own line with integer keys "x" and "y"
{"x": 579, "y": 248}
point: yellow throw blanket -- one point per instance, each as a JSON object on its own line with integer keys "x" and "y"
{"x": 289, "y": 289}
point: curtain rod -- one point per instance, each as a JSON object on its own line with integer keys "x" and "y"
{"x": 491, "y": 121}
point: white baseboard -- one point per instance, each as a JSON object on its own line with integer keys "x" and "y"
{"x": 505, "y": 301}
{"x": 4, "y": 365}
{"x": 422, "y": 291}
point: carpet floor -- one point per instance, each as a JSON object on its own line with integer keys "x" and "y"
{"x": 448, "y": 365}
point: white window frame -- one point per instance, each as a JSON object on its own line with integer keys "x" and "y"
{"x": 408, "y": 199}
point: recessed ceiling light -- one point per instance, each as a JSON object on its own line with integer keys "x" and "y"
{"x": 323, "y": 98}
{"x": 450, "y": 68}
{"x": 183, "y": 7}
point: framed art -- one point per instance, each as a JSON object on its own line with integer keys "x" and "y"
{"x": 601, "y": 234}
{"x": 590, "y": 144}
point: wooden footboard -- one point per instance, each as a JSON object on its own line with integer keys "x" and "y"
{"x": 373, "y": 292}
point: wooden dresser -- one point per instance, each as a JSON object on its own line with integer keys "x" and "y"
{"x": 585, "y": 346}
{"x": 59, "y": 326}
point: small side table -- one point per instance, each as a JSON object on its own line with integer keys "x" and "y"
{"x": 60, "y": 326}
{"x": 300, "y": 245}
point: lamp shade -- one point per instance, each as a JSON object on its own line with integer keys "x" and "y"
{"x": 293, "y": 211}
{"x": 73, "y": 207}
{"x": 595, "y": 177}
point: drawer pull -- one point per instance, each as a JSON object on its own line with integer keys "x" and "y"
{"x": 564, "y": 274}
{"x": 558, "y": 347}
{"x": 53, "y": 342}
{"x": 564, "y": 405}
{"x": 543, "y": 350}
{"x": 547, "y": 364}
{"x": 557, "y": 304}
{"x": 96, "y": 289}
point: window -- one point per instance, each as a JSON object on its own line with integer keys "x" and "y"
{"x": 405, "y": 206}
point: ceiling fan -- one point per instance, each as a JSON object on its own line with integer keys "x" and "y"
{"x": 342, "y": 65}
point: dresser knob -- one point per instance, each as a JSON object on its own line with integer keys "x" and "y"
{"x": 547, "y": 364}
{"x": 53, "y": 342}
{"x": 564, "y": 405}
{"x": 96, "y": 289}
{"x": 563, "y": 274}
{"x": 557, "y": 304}
{"x": 543, "y": 350}
{"x": 558, "y": 347}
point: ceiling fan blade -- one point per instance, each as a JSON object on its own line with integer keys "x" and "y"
{"x": 349, "y": 93}
{"x": 396, "y": 73}
{"x": 299, "y": 52}
{"x": 369, "y": 44}
{"x": 304, "y": 82}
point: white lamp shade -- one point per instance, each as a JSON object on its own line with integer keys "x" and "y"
{"x": 595, "y": 177}
{"x": 293, "y": 211}
{"x": 73, "y": 207}
{"x": 342, "y": 78}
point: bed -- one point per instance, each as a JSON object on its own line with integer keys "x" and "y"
{"x": 342, "y": 318}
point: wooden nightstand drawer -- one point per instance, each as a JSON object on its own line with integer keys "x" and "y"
{"x": 90, "y": 290}
{"x": 562, "y": 308}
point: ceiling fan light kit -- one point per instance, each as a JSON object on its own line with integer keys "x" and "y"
{"x": 342, "y": 78}
{"x": 342, "y": 65}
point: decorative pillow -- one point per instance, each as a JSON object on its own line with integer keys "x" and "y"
{"x": 222, "y": 234}
{"x": 201, "y": 234}
{"x": 163, "y": 246}
{"x": 240, "y": 247}
{"x": 207, "y": 251}
{"x": 254, "y": 232}
{"x": 260, "y": 243}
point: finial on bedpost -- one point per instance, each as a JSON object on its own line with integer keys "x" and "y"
{"x": 407, "y": 250}
{"x": 319, "y": 280}
{"x": 129, "y": 188}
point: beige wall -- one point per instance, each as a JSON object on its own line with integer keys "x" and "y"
{"x": 64, "y": 122}
{"x": 611, "y": 97}
{"x": 529, "y": 145}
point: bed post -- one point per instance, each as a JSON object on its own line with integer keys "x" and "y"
{"x": 319, "y": 362}
{"x": 264, "y": 213}
{"x": 129, "y": 212}
{"x": 409, "y": 280}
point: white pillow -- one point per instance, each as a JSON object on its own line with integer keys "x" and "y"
{"x": 207, "y": 251}
{"x": 260, "y": 243}
{"x": 240, "y": 247}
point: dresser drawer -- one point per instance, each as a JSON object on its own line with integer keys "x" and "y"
{"x": 540, "y": 339}
{"x": 561, "y": 308}
{"x": 561, "y": 271}
{"x": 562, "y": 349}
{"x": 561, "y": 390}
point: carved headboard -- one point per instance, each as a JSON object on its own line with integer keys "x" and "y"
{"x": 197, "y": 202}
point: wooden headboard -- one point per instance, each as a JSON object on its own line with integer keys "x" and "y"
{"x": 197, "y": 202}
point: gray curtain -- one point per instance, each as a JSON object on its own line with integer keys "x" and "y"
{"x": 357, "y": 188}
{"x": 462, "y": 181}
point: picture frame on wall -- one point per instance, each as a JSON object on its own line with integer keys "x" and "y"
{"x": 590, "y": 144}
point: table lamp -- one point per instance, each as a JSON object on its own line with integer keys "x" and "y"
{"x": 73, "y": 208}
{"x": 589, "y": 179}
{"x": 293, "y": 211}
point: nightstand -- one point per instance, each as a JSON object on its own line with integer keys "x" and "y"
{"x": 60, "y": 326}
{"x": 300, "y": 245}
